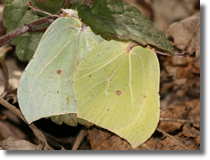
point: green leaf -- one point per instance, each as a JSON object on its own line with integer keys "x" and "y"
{"x": 76, "y": 3}
{"x": 52, "y": 6}
{"x": 116, "y": 87}
{"x": 46, "y": 86}
{"x": 18, "y": 13}
{"x": 70, "y": 119}
{"x": 115, "y": 19}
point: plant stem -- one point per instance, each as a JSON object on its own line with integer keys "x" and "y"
{"x": 179, "y": 120}
{"x": 177, "y": 55}
{"x": 167, "y": 54}
{"x": 6, "y": 76}
{"x": 25, "y": 28}
{"x": 79, "y": 139}
{"x": 5, "y": 72}
{"x": 66, "y": 4}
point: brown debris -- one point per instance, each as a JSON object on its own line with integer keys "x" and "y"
{"x": 188, "y": 111}
{"x": 13, "y": 144}
{"x": 101, "y": 139}
{"x": 186, "y": 36}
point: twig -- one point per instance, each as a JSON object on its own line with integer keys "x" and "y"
{"x": 144, "y": 145}
{"x": 38, "y": 30}
{"x": 5, "y": 72}
{"x": 79, "y": 139}
{"x": 168, "y": 135}
{"x": 66, "y": 4}
{"x": 37, "y": 133}
{"x": 177, "y": 55}
{"x": 12, "y": 91}
{"x": 179, "y": 120}
{"x": 25, "y": 28}
{"x": 167, "y": 54}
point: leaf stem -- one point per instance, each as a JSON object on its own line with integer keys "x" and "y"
{"x": 37, "y": 9}
{"x": 167, "y": 54}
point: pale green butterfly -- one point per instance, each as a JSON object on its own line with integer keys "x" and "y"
{"x": 46, "y": 85}
{"x": 116, "y": 87}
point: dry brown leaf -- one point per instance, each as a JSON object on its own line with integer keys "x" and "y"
{"x": 186, "y": 72}
{"x": 101, "y": 139}
{"x": 169, "y": 144}
{"x": 184, "y": 31}
{"x": 13, "y": 144}
{"x": 12, "y": 124}
{"x": 167, "y": 12}
{"x": 194, "y": 46}
{"x": 187, "y": 111}
{"x": 186, "y": 36}
{"x": 190, "y": 136}
{"x": 179, "y": 61}
{"x": 152, "y": 143}
{"x": 190, "y": 132}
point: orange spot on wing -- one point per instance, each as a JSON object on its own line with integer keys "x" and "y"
{"x": 118, "y": 92}
{"x": 67, "y": 100}
{"x": 59, "y": 71}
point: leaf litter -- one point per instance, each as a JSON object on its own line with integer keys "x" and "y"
{"x": 13, "y": 144}
{"x": 179, "y": 90}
